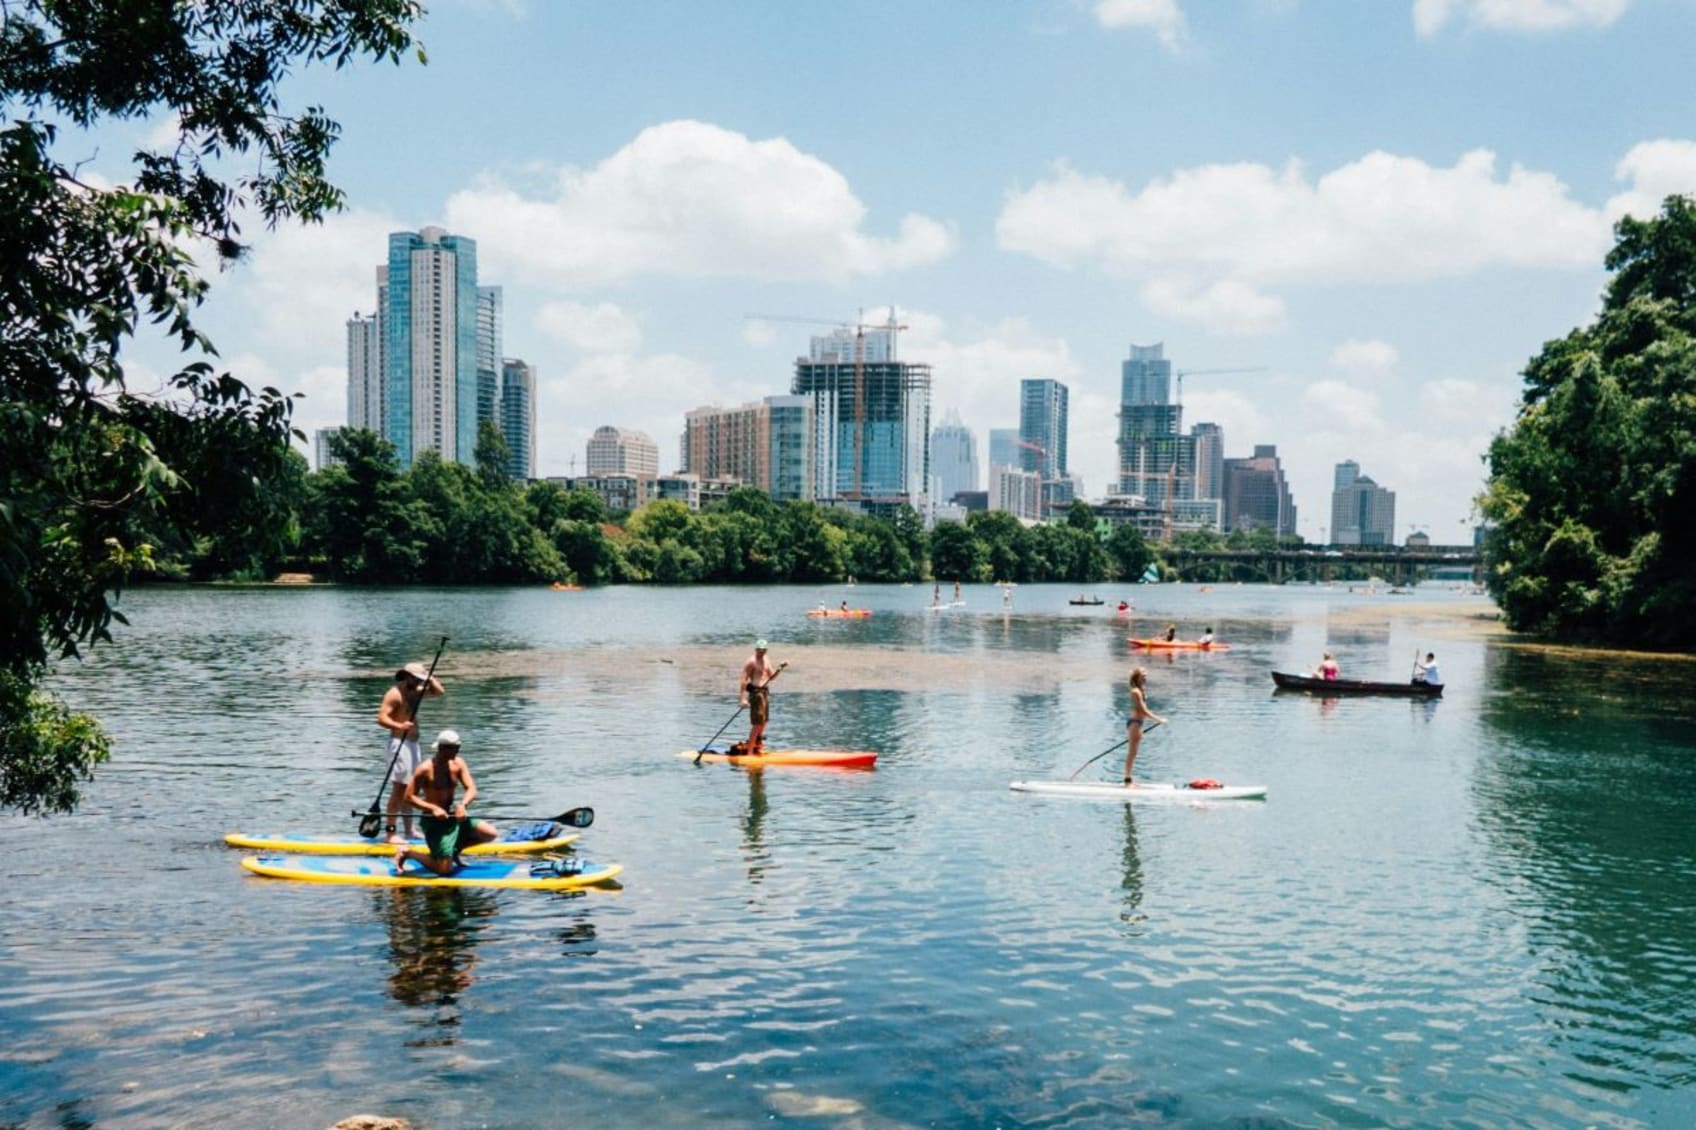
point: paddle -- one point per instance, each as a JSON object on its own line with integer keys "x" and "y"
{"x": 571, "y": 818}
{"x": 372, "y": 821}
{"x": 1146, "y": 728}
{"x": 728, "y": 721}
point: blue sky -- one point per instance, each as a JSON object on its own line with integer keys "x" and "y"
{"x": 1386, "y": 206}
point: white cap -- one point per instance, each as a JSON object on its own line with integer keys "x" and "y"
{"x": 447, "y": 737}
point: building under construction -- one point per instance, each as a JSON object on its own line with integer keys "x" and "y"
{"x": 871, "y": 420}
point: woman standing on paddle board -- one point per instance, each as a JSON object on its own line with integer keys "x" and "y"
{"x": 1140, "y": 713}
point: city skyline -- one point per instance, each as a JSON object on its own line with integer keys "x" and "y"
{"x": 1386, "y": 208}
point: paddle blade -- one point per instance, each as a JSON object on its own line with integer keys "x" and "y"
{"x": 576, "y": 818}
{"x": 370, "y": 824}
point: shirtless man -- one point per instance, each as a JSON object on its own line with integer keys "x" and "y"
{"x": 757, "y": 675}
{"x": 396, "y": 714}
{"x": 447, "y": 830}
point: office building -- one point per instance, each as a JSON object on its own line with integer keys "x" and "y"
{"x": 518, "y": 417}
{"x": 1156, "y": 461}
{"x": 430, "y": 325}
{"x": 765, "y": 443}
{"x": 1362, "y": 512}
{"x": 953, "y": 457}
{"x": 365, "y": 373}
{"x": 1257, "y": 496}
{"x": 615, "y": 451}
{"x": 1017, "y": 492}
{"x": 1003, "y": 447}
{"x": 870, "y": 419}
{"x": 1209, "y": 461}
{"x": 322, "y": 456}
{"x": 489, "y": 315}
{"x": 1042, "y": 428}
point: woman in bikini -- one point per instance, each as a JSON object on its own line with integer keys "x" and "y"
{"x": 1140, "y": 713}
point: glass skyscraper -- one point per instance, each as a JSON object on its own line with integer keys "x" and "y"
{"x": 518, "y": 417}
{"x": 430, "y": 339}
{"x": 1042, "y": 428}
{"x": 954, "y": 457}
{"x": 871, "y": 420}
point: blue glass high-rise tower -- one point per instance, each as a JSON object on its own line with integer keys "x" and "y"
{"x": 430, "y": 328}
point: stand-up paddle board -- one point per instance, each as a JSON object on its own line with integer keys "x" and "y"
{"x": 1103, "y": 790}
{"x": 530, "y": 839}
{"x": 837, "y": 758}
{"x": 539, "y": 874}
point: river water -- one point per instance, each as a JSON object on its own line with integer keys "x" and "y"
{"x": 1479, "y": 911}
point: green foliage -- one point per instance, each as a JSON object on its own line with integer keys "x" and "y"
{"x": 1591, "y": 491}
{"x": 94, "y": 474}
{"x": 1128, "y": 550}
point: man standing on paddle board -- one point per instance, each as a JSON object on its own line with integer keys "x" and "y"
{"x": 1140, "y": 713}
{"x": 757, "y": 675}
{"x": 447, "y": 829}
{"x": 400, "y": 705}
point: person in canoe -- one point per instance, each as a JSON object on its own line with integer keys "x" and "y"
{"x": 757, "y": 675}
{"x": 1140, "y": 713}
{"x": 1327, "y": 668}
{"x": 447, "y": 829}
{"x": 399, "y": 706}
{"x": 1426, "y": 672}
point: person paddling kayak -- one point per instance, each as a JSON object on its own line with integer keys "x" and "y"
{"x": 447, "y": 829}
{"x": 1140, "y": 713}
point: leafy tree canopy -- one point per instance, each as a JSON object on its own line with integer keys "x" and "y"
{"x": 92, "y": 469}
{"x": 1591, "y": 491}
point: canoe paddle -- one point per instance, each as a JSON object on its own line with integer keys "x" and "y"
{"x": 370, "y": 822}
{"x": 1108, "y": 750}
{"x": 571, "y": 818}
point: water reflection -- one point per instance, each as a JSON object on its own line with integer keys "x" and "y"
{"x": 753, "y": 821}
{"x": 1130, "y": 861}
{"x": 432, "y": 946}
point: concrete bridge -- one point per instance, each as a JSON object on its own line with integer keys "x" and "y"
{"x": 1397, "y": 564}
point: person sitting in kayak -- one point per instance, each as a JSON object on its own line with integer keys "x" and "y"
{"x": 757, "y": 675}
{"x": 844, "y": 608}
{"x": 1328, "y": 668}
{"x": 1140, "y": 713}
{"x": 1171, "y": 633}
{"x": 1427, "y": 672}
{"x": 447, "y": 829}
{"x": 1206, "y": 639}
{"x": 396, "y": 715}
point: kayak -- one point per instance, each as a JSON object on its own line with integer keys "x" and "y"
{"x": 835, "y": 758}
{"x": 1179, "y": 645}
{"x": 1102, "y": 790}
{"x": 539, "y": 874}
{"x": 849, "y": 614}
{"x": 513, "y": 842}
{"x": 1288, "y": 682}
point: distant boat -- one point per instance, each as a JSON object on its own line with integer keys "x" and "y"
{"x": 1089, "y": 600}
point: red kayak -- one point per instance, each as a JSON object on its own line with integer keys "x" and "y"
{"x": 1180, "y": 645}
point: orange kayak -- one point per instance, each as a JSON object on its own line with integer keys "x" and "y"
{"x": 1180, "y": 645}
{"x": 837, "y": 758}
{"x": 850, "y": 614}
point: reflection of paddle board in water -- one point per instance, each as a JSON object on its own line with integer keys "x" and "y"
{"x": 546, "y": 875}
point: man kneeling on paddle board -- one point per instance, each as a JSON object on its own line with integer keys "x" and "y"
{"x": 446, "y": 833}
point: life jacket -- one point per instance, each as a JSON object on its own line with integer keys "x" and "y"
{"x": 1205, "y": 783}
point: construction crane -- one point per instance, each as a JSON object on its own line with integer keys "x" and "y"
{"x": 1182, "y": 373}
{"x": 859, "y": 326}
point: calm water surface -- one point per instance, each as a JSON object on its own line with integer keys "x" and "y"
{"x": 1475, "y": 912}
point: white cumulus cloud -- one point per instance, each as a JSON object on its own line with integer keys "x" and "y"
{"x": 1364, "y": 358}
{"x": 1431, "y": 16}
{"x": 1208, "y": 244}
{"x": 690, "y": 199}
{"x": 602, "y": 328}
{"x": 1163, "y": 17}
